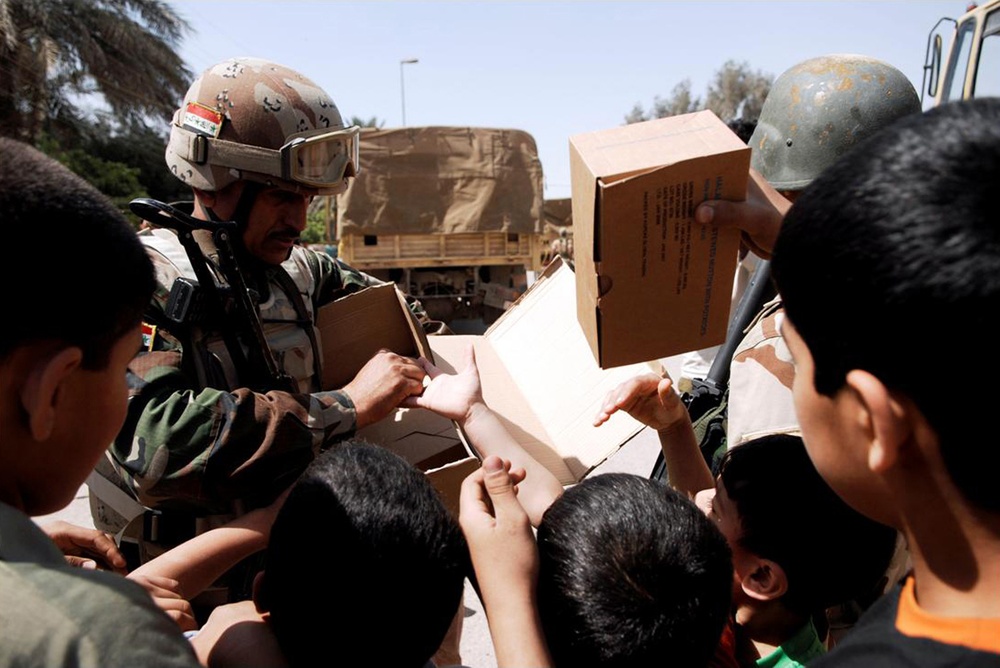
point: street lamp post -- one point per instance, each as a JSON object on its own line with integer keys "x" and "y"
{"x": 402, "y": 88}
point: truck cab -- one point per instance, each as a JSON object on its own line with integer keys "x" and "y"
{"x": 967, "y": 65}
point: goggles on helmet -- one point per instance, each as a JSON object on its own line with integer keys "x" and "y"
{"x": 316, "y": 158}
{"x": 321, "y": 158}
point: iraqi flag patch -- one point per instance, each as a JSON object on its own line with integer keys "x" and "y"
{"x": 201, "y": 119}
{"x": 148, "y": 336}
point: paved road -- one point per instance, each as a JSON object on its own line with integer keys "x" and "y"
{"x": 637, "y": 456}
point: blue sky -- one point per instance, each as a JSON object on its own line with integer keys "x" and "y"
{"x": 554, "y": 69}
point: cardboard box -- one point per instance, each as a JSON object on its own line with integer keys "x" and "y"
{"x": 351, "y": 331}
{"x": 539, "y": 376}
{"x": 537, "y": 372}
{"x": 652, "y": 283}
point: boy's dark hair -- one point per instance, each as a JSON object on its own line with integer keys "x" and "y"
{"x": 830, "y": 553}
{"x": 891, "y": 257}
{"x": 363, "y": 536}
{"x": 90, "y": 277}
{"x": 631, "y": 574}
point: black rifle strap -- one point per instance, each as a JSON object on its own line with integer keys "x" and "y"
{"x": 292, "y": 290}
{"x": 206, "y": 273}
{"x": 708, "y": 394}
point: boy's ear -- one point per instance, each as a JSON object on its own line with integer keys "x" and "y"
{"x": 766, "y": 581}
{"x": 882, "y": 416}
{"x": 40, "y": 391}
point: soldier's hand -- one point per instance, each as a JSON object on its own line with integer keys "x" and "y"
{"x": 759, "y": 217}
{"x": 382, "y": 385}
{"x": 648, "y": 398}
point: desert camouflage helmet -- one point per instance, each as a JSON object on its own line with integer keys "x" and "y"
{"x": 817, "y": 110}
{"x": 247, "y": 118}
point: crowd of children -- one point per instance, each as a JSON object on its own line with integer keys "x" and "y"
{"x": 895, "y": 240}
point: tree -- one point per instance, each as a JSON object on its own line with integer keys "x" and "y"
{"x": 372, "y": 122}
{"x": 56, "y": 53}
{"x": 737, "y": 92}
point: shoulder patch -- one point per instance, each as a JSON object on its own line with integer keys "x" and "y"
{"x": 148, "y": 336}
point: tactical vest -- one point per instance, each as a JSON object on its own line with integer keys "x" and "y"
{"x": 286, "y": 334}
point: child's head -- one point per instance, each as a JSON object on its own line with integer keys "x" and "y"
{"x": 794, "y": 541}
{"x": 887, "y": 263}
{"x": 71, "y": 325}
{"x": 364, "y": 561}
{"x": 630, "y": 574}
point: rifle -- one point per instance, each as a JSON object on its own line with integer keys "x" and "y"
{"x": 708, "y": 394}
{"x": 264, "y": 372}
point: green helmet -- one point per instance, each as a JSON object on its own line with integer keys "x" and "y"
{"x": 817, "y": 110}
{"x": 246, "y": 118}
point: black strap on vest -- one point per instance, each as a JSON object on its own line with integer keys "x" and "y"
{"x": 292, "y": 290}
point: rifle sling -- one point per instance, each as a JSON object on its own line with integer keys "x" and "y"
{"x": 292, "y": 290}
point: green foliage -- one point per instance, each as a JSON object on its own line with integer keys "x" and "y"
{"x": 736, "y": 92}
{"x": 315, "y": 232}
{"x": 142, "y": 148}
{"x": 118, "y": 181}
{"x": 56, "y": 53}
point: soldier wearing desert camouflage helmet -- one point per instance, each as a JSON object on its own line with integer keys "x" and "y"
{"x": 204, "y": 437}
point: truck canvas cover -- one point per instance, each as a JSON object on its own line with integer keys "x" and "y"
{"x": 444, "y": 180}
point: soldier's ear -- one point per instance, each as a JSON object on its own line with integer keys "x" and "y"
{"x": 206, "y": 197}
{"x": 43, "y": 387}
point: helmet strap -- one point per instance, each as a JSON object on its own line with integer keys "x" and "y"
{"x": 245, "y": 204}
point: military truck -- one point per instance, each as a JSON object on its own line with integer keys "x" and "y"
{"x": 558, "y": 229}
{"x": 452, "y": 215}
{"x": 969, "y": 64}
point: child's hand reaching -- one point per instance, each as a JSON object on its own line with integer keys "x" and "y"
{"x": 501, "y": 542}
{"x": 505, "y": 558}
{"x": 648, "y": 398}
{"x": 165, "y": 592}
{"x": 454, "y": 396}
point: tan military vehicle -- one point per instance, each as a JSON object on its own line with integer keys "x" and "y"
{"x": 453, "y": 215}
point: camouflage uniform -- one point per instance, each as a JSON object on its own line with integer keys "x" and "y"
{"x": 197, "y": 442}
{"x": 761, "y": 369}
{"x": 196, "y": 439}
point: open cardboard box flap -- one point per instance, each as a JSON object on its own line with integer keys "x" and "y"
{"x": 540, "y": 377}
{"x": 537, "y": 371}
{"x": 351, "y": 330}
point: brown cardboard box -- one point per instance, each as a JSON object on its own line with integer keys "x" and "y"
{"x": 352, "y": 330}
{"x": 537, "y": 371}
{"x": 539, "y": 376}
{"x": 652, "y": 283}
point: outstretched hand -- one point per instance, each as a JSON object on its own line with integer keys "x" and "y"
{"x": 505, "y": 558}
{"x": 758, "y": 217}
{"x": 165, "y": 593}
{"x": 648, "y": 398}
{"x": 495, "y": 525}
{"x": 451, "y": 395}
